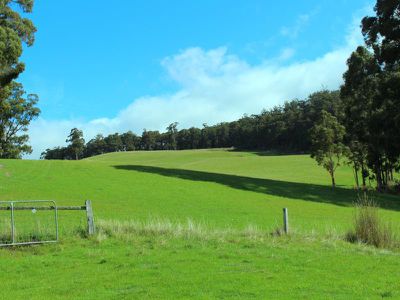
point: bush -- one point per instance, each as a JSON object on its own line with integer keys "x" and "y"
{"x": 394, "y": 187}
{"x": 368, "y": 226}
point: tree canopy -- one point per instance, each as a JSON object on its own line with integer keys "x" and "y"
{"x": 14, "y": 30}
{"x": 76, "y": 142}
{"x": 328, "y": 148}
{"x": 382, "y": 32}
{"x": 16, "y": 113}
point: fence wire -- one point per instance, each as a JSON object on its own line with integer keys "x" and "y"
{"x": 28, "y": 222}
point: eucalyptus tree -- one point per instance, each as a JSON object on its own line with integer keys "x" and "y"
{"x": 150, "y": 140}
{"x": 358, "y": 93}
{"x": 95, "y": 146}
{"x": 130, "y": 141}
{"x": 14, "y": 31}
{"x": 328, "y": 148}
{"x": 76, "y": 142}
{"x": 17, "y": 110}
{"x": 172, "y": 135}
{"x": 113, "y": 143}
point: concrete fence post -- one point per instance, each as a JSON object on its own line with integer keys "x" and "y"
{"x": 90, "y": 218}
{"x": 285, "y": 220}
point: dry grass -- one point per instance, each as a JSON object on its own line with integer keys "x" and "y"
{"x": 164, "y": 228}
{"x": 190, "y": 230}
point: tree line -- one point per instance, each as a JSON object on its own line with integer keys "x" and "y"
{"x": 283, "y": 128}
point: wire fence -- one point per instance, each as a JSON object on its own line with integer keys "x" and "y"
{"x": 28, "y": 222}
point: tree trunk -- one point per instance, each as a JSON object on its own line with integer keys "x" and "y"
{"x": 356, "y": 176}
{"x": 333, "y": 181}
{"x": 383, "y": 179}
{"x": 363, "y": 177}
{"x": 378, "y": 178}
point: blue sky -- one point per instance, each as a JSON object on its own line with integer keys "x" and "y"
{"x": 144, "y": 64}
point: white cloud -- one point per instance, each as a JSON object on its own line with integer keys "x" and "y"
{"x": 215, "y": 86}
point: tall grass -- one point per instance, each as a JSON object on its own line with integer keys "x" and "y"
{"x": 190, "y": 230}
{"x": 369, "y": 228}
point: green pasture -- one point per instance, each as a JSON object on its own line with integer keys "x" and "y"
{"x": 217, "y": 190}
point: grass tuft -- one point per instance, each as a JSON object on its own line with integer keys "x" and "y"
{"x": 369, "y": 228}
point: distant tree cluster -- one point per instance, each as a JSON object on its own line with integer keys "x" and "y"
{"x": 283, "y": 128}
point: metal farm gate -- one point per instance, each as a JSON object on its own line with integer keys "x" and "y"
{"x": 28, "y": 222}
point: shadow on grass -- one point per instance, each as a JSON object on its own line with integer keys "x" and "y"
{"x": 304, "y": 191}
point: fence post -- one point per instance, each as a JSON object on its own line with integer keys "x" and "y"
{"x": 12, "y": 223}
{"x": 90, "y": 219}
{"x": 285, "y": 220}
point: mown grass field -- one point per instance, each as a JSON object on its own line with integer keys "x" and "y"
{"x": 216, "y": 190}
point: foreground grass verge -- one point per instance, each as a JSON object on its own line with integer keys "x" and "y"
{"x": 161, "y": 259}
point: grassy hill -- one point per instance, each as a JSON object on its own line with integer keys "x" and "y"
{"x": 223, "y": 203}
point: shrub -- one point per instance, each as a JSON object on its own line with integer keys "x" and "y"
{"x": 369, "y": 228}
{"x": 394, "y": 187}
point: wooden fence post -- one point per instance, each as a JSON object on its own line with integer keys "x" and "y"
{"x": 90, "y": 219}
{"x": 285, "y": 220}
